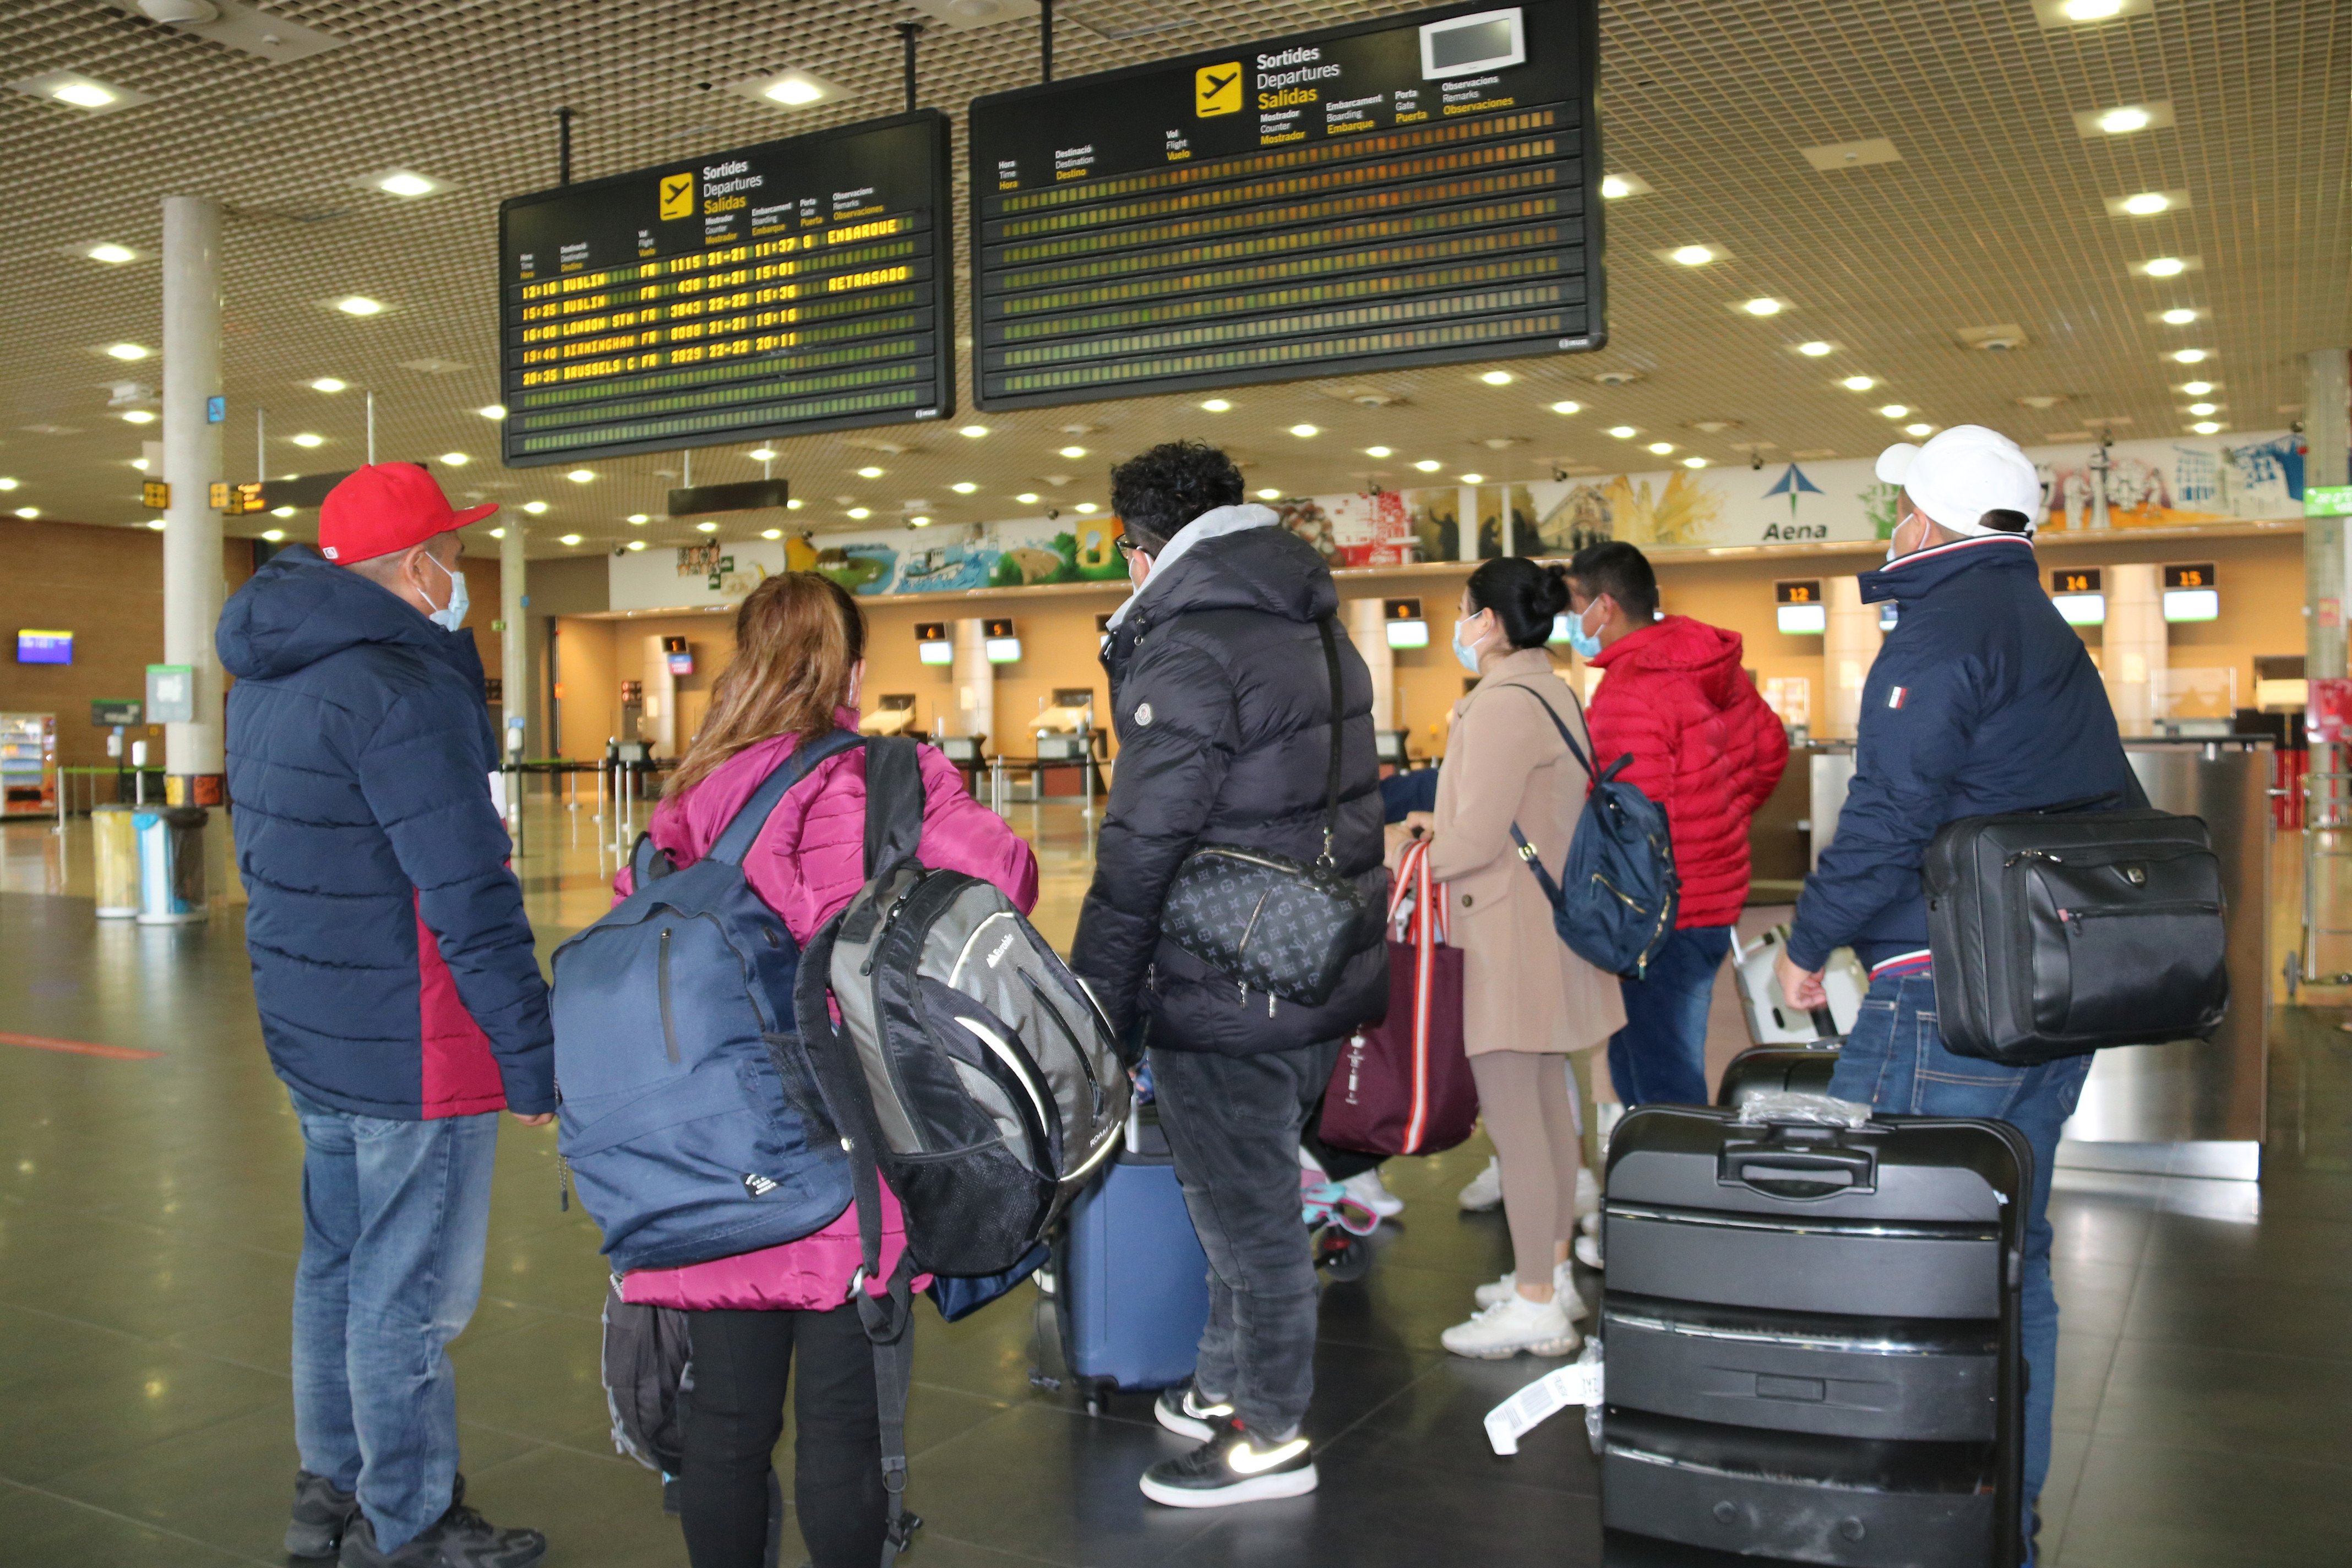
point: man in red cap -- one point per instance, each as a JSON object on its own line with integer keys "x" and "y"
{"x": 399, "y": 996}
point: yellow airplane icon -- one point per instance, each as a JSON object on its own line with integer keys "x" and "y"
{"x": 677, "y": 195}
{"x": 1217, "y": 90}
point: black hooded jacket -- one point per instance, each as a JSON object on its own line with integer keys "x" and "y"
{"x": 1221, "y": 701}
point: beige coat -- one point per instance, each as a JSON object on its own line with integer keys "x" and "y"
{"x": 1523, "y": 989}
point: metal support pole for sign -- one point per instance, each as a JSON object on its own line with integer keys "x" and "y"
{"x": 260, "y": 444}
{"x": 908, "y": 33}
{"x": 600, "y": 793}
{"x": 564, "y": 146}
{"x": 996, "y": 784}
{"x": 371, "y": 430}
{"x": 1045, "y": 40}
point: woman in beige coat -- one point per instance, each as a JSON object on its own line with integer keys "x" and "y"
{"x": 1527, "y": 1000}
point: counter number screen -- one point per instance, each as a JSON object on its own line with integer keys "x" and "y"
{"x": 1418, "y": 190}
{"x": 792, "y": 286}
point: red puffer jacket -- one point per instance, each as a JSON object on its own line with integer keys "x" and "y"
{"x": 1704, "y": 746}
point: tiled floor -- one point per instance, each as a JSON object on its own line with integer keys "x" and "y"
{"x": 149, "y": 1223}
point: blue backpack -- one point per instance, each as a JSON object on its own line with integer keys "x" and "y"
{"x": 1615, "y": 901}
{"x": 684, "y": 1099}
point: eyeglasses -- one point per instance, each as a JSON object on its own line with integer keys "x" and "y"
{"x": 1126, "y": 547}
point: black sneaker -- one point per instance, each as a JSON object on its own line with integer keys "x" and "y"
{"x": 1183, "y": 1412}
{"x": 322, "y": 1511}
{"x": 1234, "y": 1465}
{"x": 458, "y": 1539}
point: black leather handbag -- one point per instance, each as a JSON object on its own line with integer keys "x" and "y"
{"x": 2058, "y": 932}
{"x": 1267, "y": 920}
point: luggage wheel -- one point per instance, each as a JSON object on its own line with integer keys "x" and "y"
{"x": 1346, "y": 1258}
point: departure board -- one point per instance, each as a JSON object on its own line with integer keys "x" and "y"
{"x": 1419, "y": 190}
{"x": 792, "y": 287}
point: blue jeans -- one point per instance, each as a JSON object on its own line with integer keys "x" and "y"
{"x": 394, "y": 1219}
{"x": 1895, "y": 1061}
{"x": 1660, "y": 1056}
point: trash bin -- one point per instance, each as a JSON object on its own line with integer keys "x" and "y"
{"x": 114, "y": 831}
{"x": 171, "y": 863}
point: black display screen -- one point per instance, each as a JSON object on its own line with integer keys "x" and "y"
{"x": 1369, "y": 196}
{"x": 792, "y": 287}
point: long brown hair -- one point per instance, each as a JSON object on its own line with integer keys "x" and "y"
{"x": 797, "y": 638}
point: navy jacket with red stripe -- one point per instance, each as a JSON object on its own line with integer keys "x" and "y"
{"x": 1981, "y": 699}
{"x": 392, "y": 960}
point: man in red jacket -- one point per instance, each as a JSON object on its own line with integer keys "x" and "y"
{"x": 1706, "y": 749}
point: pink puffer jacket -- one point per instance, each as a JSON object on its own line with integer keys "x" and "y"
{"x": 807, "y": 864}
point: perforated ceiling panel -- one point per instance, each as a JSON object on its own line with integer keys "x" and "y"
{"x": 1991, "y": 221}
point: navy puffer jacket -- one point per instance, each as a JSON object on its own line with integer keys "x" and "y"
{"x": 391, "y": 957}
{"x": 1223, "y": 703}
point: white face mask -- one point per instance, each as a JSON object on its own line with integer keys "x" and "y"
{"x": 450, "y": 616}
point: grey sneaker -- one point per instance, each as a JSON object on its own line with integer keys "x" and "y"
{"x": 458, "y": 1539}
{"x": 322, "y": 1511}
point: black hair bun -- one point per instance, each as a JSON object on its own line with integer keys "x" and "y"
{"x": 1553, "y": 600}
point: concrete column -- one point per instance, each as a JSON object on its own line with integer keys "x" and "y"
{"x": 2133, "y": 655}
{"x": 514, "y": 640}
{"x": 1368, "y": 631}
{"x": 1847, "y": 650}
{"x": 975, "y": 683}
{"x": 192, "y": 463}
{"x": 2327, "y": 432}
{"x": 1467, "y": 536}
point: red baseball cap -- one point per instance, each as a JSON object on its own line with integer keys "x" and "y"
{"x": 385, "y": 508}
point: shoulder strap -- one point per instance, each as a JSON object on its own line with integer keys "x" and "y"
{"x": 1553, "y": 714}
{"x": 1338, "y": 716}
{"x": 735, "y": 841}
{"x": 893, "y": 802}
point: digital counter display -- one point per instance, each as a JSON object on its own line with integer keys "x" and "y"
{"x": 792, "y": 286}
{"x": 1420, "y": 190}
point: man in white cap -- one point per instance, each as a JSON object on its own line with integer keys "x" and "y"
{"x": 1981, "y": 699}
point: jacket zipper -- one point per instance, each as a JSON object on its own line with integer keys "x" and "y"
{"x": 1253, "y": 859}
{"x": 669, "y": 1028}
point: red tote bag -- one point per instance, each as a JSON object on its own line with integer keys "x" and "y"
{"x": 1403, "y": 1087}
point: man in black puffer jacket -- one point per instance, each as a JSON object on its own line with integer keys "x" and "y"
{"x": 1223, "y": 705}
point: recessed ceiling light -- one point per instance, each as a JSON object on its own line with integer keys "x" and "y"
{"x": 402, "y": 183}
{"x": 492, "y": 411}
{"x": 1376, "y": 451}
{"x": 273, "y": 534}
{"x": 2090, "y": 10}
{"x": 359, "y": 305}
{"x": 581, "y": 476}
{"x": 2179, "y": 318}
{"x": 2124, "y": 121}
{"x": 1763, "y": 307}
{"x": 1694, "y": 255}
{"x": 1474, "y": 479}
{"x": 2196, "y": 388}
{"x": 973, "y": 432}
{"x": 1662, "y": 447}
{"x": 308, "y": 438}
{"x": 1215, "y": 406}
{"x": 455, "y": 459}
{"x": 28, "y": 512}
{"x": 1269, "y": 495}
{"x": 2164, "y": 266}
{"x": 761, "y": 455}
{"x": 156, "y": 523}
{"x": 498, "y": 533}
{"x": 328, "y": 383}
{"x": 706, "y": 526}
{"x": 1497, "y": 378}
{"x": 1614, "y": 187}
{"x": 1919, "y": 427}
{"x": 1693, "y": 462}
{"x": 1304, "y": 431}
{"x": 2202, "y": 410}
{"x": 963, "y": 488}
{"x": 1027, "y": 497}
{"x": 796, "y": 90}
{"x": 114, "y": 255}
{"x": 82, "y": 94}
{"x": 772, "y": 533}
{"x": 9, "y": 484}
{"x": 795, "y": 504}
{"x": 534, "y": 507}
{"x": 1893, "y": 410}
{"x": 138, "y": 463}
{"x": 1074, "y": 451}
{"x": 869, "y": 472}
{"x": 2205, "y": 428}
{"x": 2147, "y": 204}
{"x": 638, "y": 520}
{"x": 633, "y": 543}
{"x": 140, "y": 416}
{"x": 1571, "y": 407}
{"x": 861, "y": 513}
{"x": 570, "y": 539}
{"x": 2190, "y": 356}
{"x": 1816, "y": 349}
{"x": 128, "y": 351}
{"x": 281, "y": 511}
{"x": 1429, "y": 465}
{"x": 1623, "y": 432}
{"x": 1858, "y": 383}
{"x": 1087, "y": 506}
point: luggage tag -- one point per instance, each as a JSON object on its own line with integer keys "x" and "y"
{"x": 1579, "y": 1382}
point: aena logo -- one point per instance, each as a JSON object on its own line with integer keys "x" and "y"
{"x": 1217, "y": 90}
{"x": 677, "y": 195}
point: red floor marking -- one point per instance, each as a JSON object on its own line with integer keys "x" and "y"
{"x": 78, "y": 1047}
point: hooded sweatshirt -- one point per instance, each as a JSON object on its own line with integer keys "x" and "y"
{"x": 392, "y": 960}
{"x": 1703, "y": 746}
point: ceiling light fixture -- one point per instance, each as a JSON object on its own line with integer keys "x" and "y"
{"x": 1919, "y": 427}
{"x": 2202, "y": 410}
{"x": 1302, "y": 431}
{"x": 581, "y": 476}
{"x": 1662, "y": 447}
{"x": 359, "y": 305}
{"x": 1087, "y": 506}
{"x": 2164, "y": 266}
{"x": 400, "y": 183}
{"x": 1027, "y": 497}
{"x": 796, "y": 90}
{"x": 1429, "y": 465}
{"x": 2124, "y": 121}
{"x": 2090, "y": 10}
{"x": 155, "y": 523}
{"x": 2196, "y": 388}
{"x": 1763, "y": 307}
{"x": 633, "y": 543}
{"x": 283, "y": 511}
{"x": 1858, "y": 383}
{"x": 273, "y": 534}
{"x": 772, "y": 533}
{"x": 113, "y": 255}
{"x": 498, "y": 533}
{"x": 2147, "y": 204}
{"x": 28, "y": 512}
{"x": 1569, "y": 407}
{"x": 1497, "y": 378}
{"x": 1074, "y": 451}
{"x": 2179, "y": 318}
{"x": 492, "y": 411}
{"x": 1692, "y": 254}
{"x": 82, "y": 94}
{"x": 1623, "y": 432}
{"x": 140, "y": 416}
{"x": 7, "y": 483}
{"x": 963, "y": 488}
{"x": 1816, "y": 349}
{"x": 638, "y": 520}
{"x": 974, "y": 432}
{"x": 1269, "y": 495}
{"x": 1693, "y": 462}
{"x": 761, "y": 454}
{"x": 860, "y": 513}
{"x": 869, "y": 472}
{"x": 534, "y": 507}
{"x": 1216, "y": 406}
{"x": 308, "y": 438}
{"x": 569, "y": 539}
{"x": 706, "y": 526}
{"x": 2206, "y": 428}
{"x": 1376, "y": 451}
{"x": 1474, "y": 479}
{"x": 2190, "y": 356}
{"x": 1893, "y": 410}
{"x": 328, "y": 383}
{"x": 127, "y": 351}
{"x": 1612, "y": 186}
{"x": 455, "y": 459}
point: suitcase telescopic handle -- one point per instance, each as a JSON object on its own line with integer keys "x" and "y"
{"x": 1783, "y": 1172}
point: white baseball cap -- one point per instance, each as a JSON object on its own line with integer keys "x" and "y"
{"x": 1962, "y": 473}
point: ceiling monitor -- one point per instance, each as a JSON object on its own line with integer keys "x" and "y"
{"x": 1798, "y": 608}
{"x": 2080, "y": 596}
{"x": 931, "y": 643}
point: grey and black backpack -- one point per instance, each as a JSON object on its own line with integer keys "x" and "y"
{"x": 985, "y": 1078}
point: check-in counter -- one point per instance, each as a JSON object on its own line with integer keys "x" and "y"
{"x": 2186, "y": 1107}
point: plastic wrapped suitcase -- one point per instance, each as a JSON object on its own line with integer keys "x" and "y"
{"x": 1813, "y": 1341}
{"x": 1788, "y": 1069}
{"x": 1770, "y": 1020}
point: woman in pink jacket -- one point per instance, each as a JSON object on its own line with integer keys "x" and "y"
{"x": 800, "y": 648}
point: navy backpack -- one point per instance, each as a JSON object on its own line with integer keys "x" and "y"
{"x": 1615, "y": 901}
{"x": 684, "y": 1099}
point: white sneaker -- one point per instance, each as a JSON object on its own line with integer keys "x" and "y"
{"x": 1589, "y": 1224}
{"x": 1563, "y": 1290}
{"x": 1588, "y": 1252}
{"x": 1587, "y": 1193}
{"x": 1485, "y": 1192}
{"x": 1367, "y": 1188}
{"x": 1511, "y": 1326}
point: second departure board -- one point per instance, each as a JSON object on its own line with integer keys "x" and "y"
{"x": 792, "y": 287}
{"x": 1419, "y": 190}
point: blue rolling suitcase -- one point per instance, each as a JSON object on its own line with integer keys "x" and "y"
{"x": 1130, "y": 1282}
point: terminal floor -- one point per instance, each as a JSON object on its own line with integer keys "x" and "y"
{"x": 149, "y": 1222}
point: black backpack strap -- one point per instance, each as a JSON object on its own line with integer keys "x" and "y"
{"x": 1527, "y": 851}
{"x": 1553, "y": 714}
{"x": 1338, "y": 718}
{"x": 893, "y": 802}
{"x": 735, "y": 841}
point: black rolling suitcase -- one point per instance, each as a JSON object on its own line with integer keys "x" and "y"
{"x": 1790, "y": 1069}
{"x": 1812, "y": 1346}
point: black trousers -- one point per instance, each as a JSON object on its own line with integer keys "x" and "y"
{"x": 743, "y": 1363}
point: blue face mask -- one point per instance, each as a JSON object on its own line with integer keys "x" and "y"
{"x": 1585, "y": 643}
{"x": 1464, "y": 651}
{"x": 451, "y": 617}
